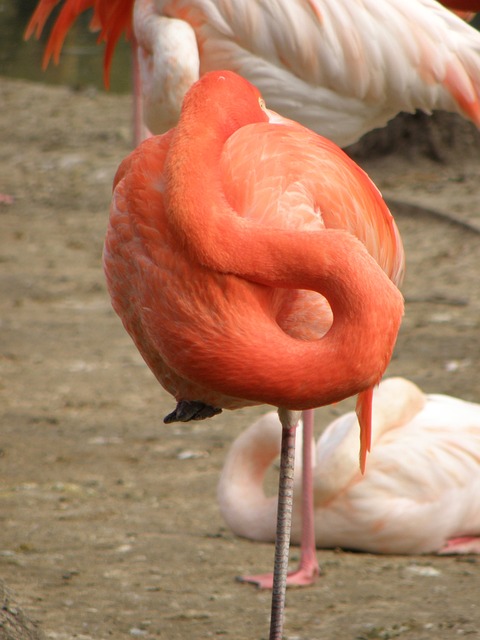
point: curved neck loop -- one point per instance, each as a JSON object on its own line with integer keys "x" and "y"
{"x": 366, "y": 306}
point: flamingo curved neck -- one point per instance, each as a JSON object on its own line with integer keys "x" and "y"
{"x": 366, "y": 306}
{"x": 168, "y": 60}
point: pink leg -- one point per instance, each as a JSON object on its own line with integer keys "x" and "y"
{"x": 140, "y": 131}
{"x": 464, "y": 544}
{"x": 308, "y": 568}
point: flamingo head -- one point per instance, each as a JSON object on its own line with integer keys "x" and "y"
{"x": 228, "y": 99}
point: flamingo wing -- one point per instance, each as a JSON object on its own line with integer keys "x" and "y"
{"x": 341, "y": 70}
{"x": 304, "y": 181}
{"x": 326, "y": 189}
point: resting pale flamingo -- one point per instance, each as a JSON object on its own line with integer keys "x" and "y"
{"x": 419, "y": 493}
{"x": 341, "y": 68}
{"x": 224, "y": 236}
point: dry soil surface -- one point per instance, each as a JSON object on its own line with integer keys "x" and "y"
{"x": 109, "y": 525}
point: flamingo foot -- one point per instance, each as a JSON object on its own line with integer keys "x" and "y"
{"x": 187, "y": 410}
{"x": 301, "y": 577}
{"x": 463, "y": 544}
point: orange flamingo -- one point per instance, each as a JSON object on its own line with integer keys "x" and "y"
{"x": 310, "y": 59}
{"x": 234, "y": 241}
{"x": 340, "y": 68}
{"x": 419, "y": 493}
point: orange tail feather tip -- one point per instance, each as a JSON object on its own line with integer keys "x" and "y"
{"x": 69, "y": 12}
{"x": 364, "y": 415}
{"x": 39, "y": 18}
{"x": 110, "y": 17}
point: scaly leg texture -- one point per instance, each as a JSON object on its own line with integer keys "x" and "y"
{"x": 308, "y": 569}
{"x": 289, "y": 421}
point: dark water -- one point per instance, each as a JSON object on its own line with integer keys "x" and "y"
{"x": 81, "y": 61}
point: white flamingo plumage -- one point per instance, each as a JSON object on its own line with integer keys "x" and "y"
{"x": 420, "y": 492}
{"x": 340, "y": 68}
{"x": 341, "y": 71}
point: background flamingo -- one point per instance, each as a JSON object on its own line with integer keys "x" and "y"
{"x": 419, "y": 493}
{"x": 208, "y": 282}
{"x": 341, "y": 69}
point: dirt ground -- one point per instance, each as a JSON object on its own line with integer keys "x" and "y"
{"x": 109, "y": 525}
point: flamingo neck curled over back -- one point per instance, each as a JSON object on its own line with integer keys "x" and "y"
{"x": 366, "y": 305}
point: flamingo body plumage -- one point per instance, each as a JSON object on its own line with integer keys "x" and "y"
{"x": 338, "y": 70}
{"x": 238, "y": 273}
{"x": 419, "y": 493}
